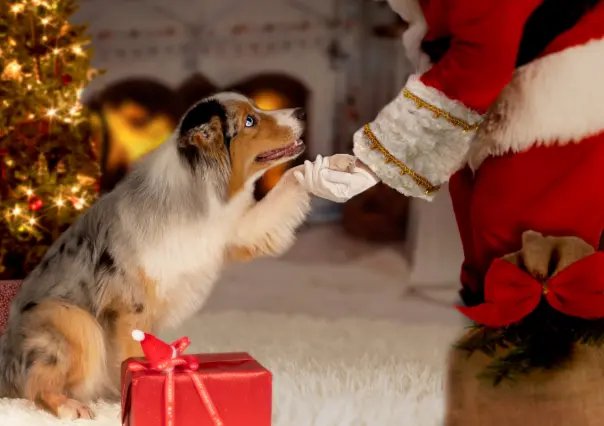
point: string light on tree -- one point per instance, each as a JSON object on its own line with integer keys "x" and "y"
{"x": 12, "y": 71}
{"x": 17, "y": 8}
{"x": 45, "y": 133}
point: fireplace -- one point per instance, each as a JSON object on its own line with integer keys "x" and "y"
{"x": 270, "y": 92}
{"x": 135, "y": 113}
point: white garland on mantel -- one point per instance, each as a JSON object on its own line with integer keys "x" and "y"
{"x": 216, "y": 47}
{"x": 237, "y": 30}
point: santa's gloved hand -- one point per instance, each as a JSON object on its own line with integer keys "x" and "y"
{"x": 337, "y": 178}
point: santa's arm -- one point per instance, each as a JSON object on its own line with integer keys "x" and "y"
{"x": 421, "y": 138}
{"x": 268, "y": 228}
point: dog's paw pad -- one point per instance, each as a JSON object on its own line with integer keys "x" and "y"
{"x": 73, "y": 410}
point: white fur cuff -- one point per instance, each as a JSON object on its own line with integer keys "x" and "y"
{"x": 422, "y": 140}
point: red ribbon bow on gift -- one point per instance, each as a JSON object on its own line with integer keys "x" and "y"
{"x": 511, "y": 294}
{"x": 183, "y": 363}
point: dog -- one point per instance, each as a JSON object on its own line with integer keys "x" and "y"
{"x": 147, "y": 254}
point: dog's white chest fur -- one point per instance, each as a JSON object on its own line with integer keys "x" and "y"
{"x": 188, "y": 260}
{"x": 185, "y": 266}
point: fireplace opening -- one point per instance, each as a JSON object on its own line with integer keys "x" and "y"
{"x": 137, "y": 114}
{"x": 271, "y": 92}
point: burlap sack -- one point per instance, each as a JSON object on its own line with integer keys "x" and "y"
{"x": 571, "y": 395}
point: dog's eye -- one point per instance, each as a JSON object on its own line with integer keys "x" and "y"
{"x": 250, "y": 121}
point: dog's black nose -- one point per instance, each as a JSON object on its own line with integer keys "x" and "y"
{"x": 299, "y": 114}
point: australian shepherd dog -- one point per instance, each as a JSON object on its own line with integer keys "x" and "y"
{"x": 146, "y": 255}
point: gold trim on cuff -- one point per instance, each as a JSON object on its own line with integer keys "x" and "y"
{"x": 457, "y": 122}
{"x": 389, "y": 158}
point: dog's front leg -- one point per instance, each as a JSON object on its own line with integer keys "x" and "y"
{"x": 268, "y": 228}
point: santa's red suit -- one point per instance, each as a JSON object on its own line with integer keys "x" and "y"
{"x": 522, "y": 147}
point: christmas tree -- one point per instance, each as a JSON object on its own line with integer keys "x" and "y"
{"x": 48, "y": 168}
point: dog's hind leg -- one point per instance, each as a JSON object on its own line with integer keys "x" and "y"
{"x": 65, "y": 359}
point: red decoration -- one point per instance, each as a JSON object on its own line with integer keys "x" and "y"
{"x": 104, "y": 35}
{"x": 8, "y": 291}
{"x": 353, "y": 114}
{"x": 30, "y": 132}
{"x": 3, "y": 153}
{"x": 35, "y": 203}
{"x": 239, "y": 29}
{"x": 66, "y": 78}
{"x": 57, "y": 65}
{"x": 172, "y": 389}
{"x": 511, "y": 294}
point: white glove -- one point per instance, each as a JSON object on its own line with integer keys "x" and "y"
{"x": 334, "y": 185}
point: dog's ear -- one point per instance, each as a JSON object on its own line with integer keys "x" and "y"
{"x": 207, "y": 135}
{"x": 204, "y": 125}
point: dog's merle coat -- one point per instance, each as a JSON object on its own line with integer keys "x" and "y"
{"x": 176, "y": 196}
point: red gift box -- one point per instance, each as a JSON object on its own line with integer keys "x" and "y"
{"x": 230, "y": 389}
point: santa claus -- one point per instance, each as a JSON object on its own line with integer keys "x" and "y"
{"x": 509, "y": 115}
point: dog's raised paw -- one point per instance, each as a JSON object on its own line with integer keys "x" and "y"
{"x": 73, "y": 410}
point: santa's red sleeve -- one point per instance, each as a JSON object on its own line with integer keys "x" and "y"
{"x": 421, "y": 138}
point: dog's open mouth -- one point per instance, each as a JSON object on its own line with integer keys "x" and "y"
{"x": 291, "y": 150}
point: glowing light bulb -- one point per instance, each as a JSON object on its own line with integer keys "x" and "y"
{"x": 17, "y": 8}
{"x": 32, "y": 221}
{"x": 30, "y": 116}
{"x": 44, "y": 21}
{"x": 51, "y": 112}
{"x": 60, "y": 203}
{"x": 44, "y": 38}
{"x": 16, "y": 211}
{"x": 29, "y": 192}
{"x": 73, "y": 111}
{"x": 77, "y": 50}
{"x": 75, "y": 189}
{"x": 56, "y": 51}
{"x": 14, "y": 66}
{"x": 12, "y": 70}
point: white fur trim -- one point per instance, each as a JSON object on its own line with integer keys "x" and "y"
{"x": 138, "y": 335}
{"x": 431, "y": 147}
{"x": 411, "y": 12}
{"x": 553, "y": 100}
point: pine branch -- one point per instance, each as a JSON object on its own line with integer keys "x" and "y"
{"x": 544, "y": 340}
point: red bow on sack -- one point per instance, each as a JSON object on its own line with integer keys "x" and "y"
{"x": 182, "y": 363}
{"x": 511, "y": 294}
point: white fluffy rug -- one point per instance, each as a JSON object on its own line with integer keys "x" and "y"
{"x": 326, "y": 373}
